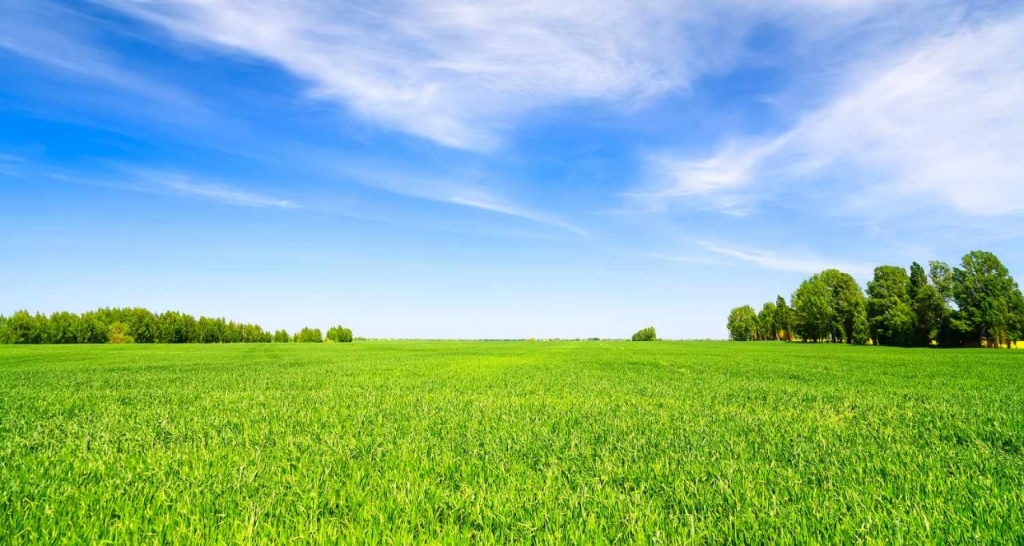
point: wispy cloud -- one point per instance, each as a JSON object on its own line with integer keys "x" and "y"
{"x": 9, "y": 164}
{"x": 462, "y": 73}
{"x": 222, "y": 194}
{"x": 683, "y": 258}
{"x": 781, "y": 262}
{"x": 59, "y": 38}
{"x": 170, "y": 183}
{"x": 451, "y": 190}
{"x": 940, "y": 124}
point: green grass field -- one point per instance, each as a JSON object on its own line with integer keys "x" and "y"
{"x": 472, "y": 442}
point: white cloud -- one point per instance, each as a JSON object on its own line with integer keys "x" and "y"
{"x": 793, "y": 264}
{"x": 59, "y": 38}
{"x": 452, "y": 191}
{"x": 461, "y": 73}
{"x": 222, "y": 194}
{"x": 168, "y": 183}
{"x": 943, "y": 123}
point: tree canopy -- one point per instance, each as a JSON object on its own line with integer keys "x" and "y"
{"x": 645, "y": 334}
{"x": 975, "y": 304}
{"x": 743, "y": 324}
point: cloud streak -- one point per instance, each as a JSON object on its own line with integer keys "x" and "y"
{"x": 57, "y": 37}
{"x": 462, "y": 73}
{"x": 223, "y": 194}
{"x": 453, "y": 191}
{"x": 779, "y": 262}
{"x": 165, "y": 183}
{"x": 941, "y": 124}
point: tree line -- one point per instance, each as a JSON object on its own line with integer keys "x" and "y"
{"x": 138, "y": 325}
{"x": 975, "y": 304}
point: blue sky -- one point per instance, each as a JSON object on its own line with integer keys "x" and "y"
{"x": 497, "y": 169}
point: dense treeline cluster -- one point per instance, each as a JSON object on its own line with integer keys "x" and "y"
{"x": 975, "y": 304}
{"x": 645, "y": 334}
{"x": 137, "y": 325}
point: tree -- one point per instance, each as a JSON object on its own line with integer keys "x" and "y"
{"x": 339, "y": 334}
{"x": 90, "y": 329}
{"x": 142, "y": 325}
{"x": 783, "y": 319}
{"x": 986, "y": 298}
{"x": 742, "y": 324}
{"x": 309, "y": 335}
{"x": 851, "y": 320}
{"x": 23, "y": 328}
{"x": 766, "y": 323}
{"x": 118, "y": 333}
{"x": 928, "y": 306}
{"x": 646, "y": 334}
{"x": 281, "y": 336}
{"x": 813, "y": 311}
{"x": 62, "y": 327}
{"x": 890, "y": 314}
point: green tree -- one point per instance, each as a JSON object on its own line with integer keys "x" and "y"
{"x": 62, "y": 327}
{"x": 142, "y": 325}
{"x": 281, "y": 336}
{"x": 849, "y": 306}
{"x": 814, "y": 315}
{"x": 645, "y": 334}
{"x": 742, "y": 324}
{"x": 90, "y": 329}
{"x": 783, "y": 319}
{"x": 24, "y": 328}
{"x": 766, "y": 323}
{"x": 339, "y": 334}
{"x": 309, "y": 335}
{"x": 986, "y": 298}
{"x": 928, "y": 306}
{"x": 890, "y": 313}
{"x": 118, "y": 333}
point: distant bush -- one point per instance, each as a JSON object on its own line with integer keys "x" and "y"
{"x": 339, "y": 334}
{"x": 646, "y": 334}
{"x": 309, "y": 335}
{"x": 281, "y": 336}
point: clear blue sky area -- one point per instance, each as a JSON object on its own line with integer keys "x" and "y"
{"x": 437, "y": 168}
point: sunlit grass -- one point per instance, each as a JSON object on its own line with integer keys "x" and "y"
{"x": 511, "y": 442}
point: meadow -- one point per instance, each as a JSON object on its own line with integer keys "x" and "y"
{"x": 476, "y": 442}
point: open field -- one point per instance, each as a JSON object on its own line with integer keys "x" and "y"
{"x": 475, "y": 442}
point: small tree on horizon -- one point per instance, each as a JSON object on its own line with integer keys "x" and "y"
{"x": 339, "y": 334}
{"x": 309, "y": 335}
{"x": 646, "y": 334}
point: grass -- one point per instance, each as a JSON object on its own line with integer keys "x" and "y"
{"x": 468, "y": 442}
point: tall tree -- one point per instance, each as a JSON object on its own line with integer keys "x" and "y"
{"x": 783, "y": 319}
{"x": 890, "y": 313}
{"x": 742, "y": 324}
{"x": 985, "y": 295}
{"x": 928, "y": 306}
{"x": 766, "y": 322}
{"x": 813, "y": 311}
{"x": 851, "y": 319}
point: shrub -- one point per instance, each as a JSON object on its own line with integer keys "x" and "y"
{"x": 646, "y": 334}
{"x": 339, "y": 334}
